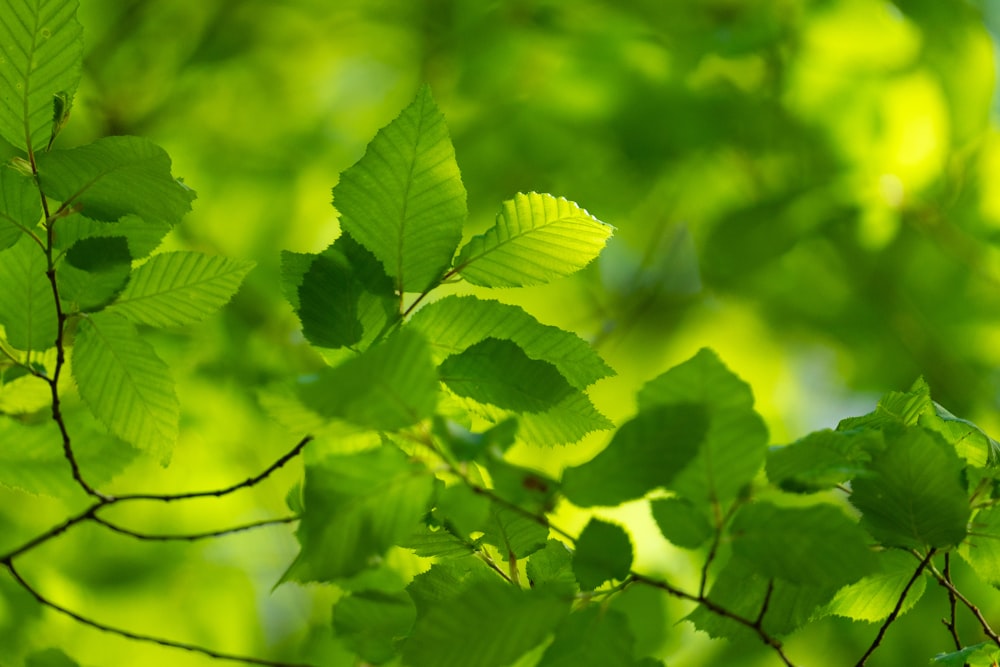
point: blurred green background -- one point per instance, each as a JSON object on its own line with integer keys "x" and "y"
{"x": 805, "y": 185}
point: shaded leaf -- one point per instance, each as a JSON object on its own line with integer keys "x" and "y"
{"x": 177, "y": 288}
{"x": 445, "y": 581}
{"x": 404, "y": 199}
{"x": 820, "y": 460}
{"x": 143, "y": 237}
{"x": 984, "y": 653}
{"x": 27, "y": 307}
{"x": 41, "y": 49}
{"x": 20, "y": 205}
{"x": 680, "y": 522}
{"x": 514, "y": 534}
{"x": 93, "y": 272}
{"x": 125, "y": 385}
{"x": 437, "y": 543}
{"x": 371, "y": 622}
{"x": 603, "y": 553}
{"x": 591, "y": 637}
{"x": 50, "y": 657}
{"x": 463, "y": 509}
{"x": 536, "y": 238}
{"x": 552, "y": 566}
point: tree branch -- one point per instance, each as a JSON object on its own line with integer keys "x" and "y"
{"x": 952, "y": 605}
{"x": 45, "y": 602}
{"x": 952, "y": 590}
{"x": 193, "y": 537}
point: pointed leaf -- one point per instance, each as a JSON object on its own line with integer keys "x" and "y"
{"x": 143, "y": 237}
{"x": 489, "y": 624}
{"x": 114, "y": 177}
{"x": 647, "y": 452}
{"x": 536, "y": 238}
{"x": 356, "y": 507}
{"x": 371, "y": 622}
{"x": 680, "y": 522}
{"x": 591, "y": 637}
{"x": 27, "y": 307}
{"x": 514, "y": 534}
{"x": 820, "y": 460}
{"x": 455, "y": 323}
{"x": 912, "y": 495}
{"x": 445, "y": 581}
{"x": 125, "y": 384}
{"x": 552, "y": 566}
{"x": 20, "y": 205}
{"x": 984, "y": 653}
{"x": 873, "y": 598}
{"x": 388, "y": 387}
{"x": 93, "y": 272}
{"x": 404, "y": 199}
{"x": 603, "y": 553}
{"x": 565, "y": 422}
{"x": 40, "y": 55}
{"x": 498, "y": 372}
{"x": 736, "y": 443}
{"x": 177, "y": 288}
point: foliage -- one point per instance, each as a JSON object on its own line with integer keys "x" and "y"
{"x": 411, "y": 409}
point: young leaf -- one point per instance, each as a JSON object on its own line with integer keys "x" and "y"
{"x": 514, "y": 534}
{"x": 794, "y": 544}
{"x": 41, "y": 49}
{"x": 20, "y": 206}
{"x": 113, "y": 177}
{"x": 388, "y": 387}
{"x": 498, "y": 372}
{"x": 125, "y": 385}
{"x": 591, "y": 637}
{"x": 27, "y": 307}
{"x": 603, "y": 552}
{"x": 93, "y": 272}
{"x": 438, "y": 543}
{"x": 680, "y": 522}
{"x": 370, "y": 623}
{"x": 565, "y": 422}
{"x": 873, "y": 598}
{"x": 912, "y": 494}
{"x": 647, "y": 452}
{"x": 177, "y": 288}
{"x": 736, "y": 443}
{"x": 404, "y": 199}
{"x": 982, "y": 548}
{"x": 455, "y": 323}
{"x": 356, "y": 507}
{"x": 552, "y": 566}
{"x": 488, "y": 624}
{"x": 536, "y": 238}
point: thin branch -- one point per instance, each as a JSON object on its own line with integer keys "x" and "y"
{"x": 427, "y": 291}
{"x": 85, "y": 515}
{"x": 218, "y": 493}
{"x": 899, "y": 606}
{"x": 138, "y": 637}
{"x": 193, "y": 536}
{"x": 952, "y": 590}
{"x": 720, "y": 524}
{"x": 952, "y": 606}
{"x": 759, "y": 622}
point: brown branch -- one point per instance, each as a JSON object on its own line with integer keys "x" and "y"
{"x": 759, "y": 622}
{"x": 193, "y": 537}
{"x": 952, "y": 606}
{"x": 45, "y": 602}
{"x": 952, "y": 590}
{"x": 899, "y": 606}
{"x": 38, "y": 540}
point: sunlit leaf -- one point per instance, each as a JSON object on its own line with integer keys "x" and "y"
{"x": 514, "y": 534}
{"x": 603, "y": 553}
{"x": 404, "y": 199}
{"x": 874, "y": 597}
{"x": 41, "y": 49}
{"x": 177, "y": 288}
{"x": 680, "y": 522}
{"x": 536, "y": 238}
{"x": 114, "y": 177}
{"x": 977, "y": 655}
{"x": 569, "y": 420}
{"x": 982, "y": 547}
{"x": 27, "y": 307}
{"x": 127, "y": 387}
{"x": 552, "y": 566}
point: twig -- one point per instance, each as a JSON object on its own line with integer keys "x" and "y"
{"x": 85, "y": 515}
{"x": 759, "y": 622}
{"x": 138, "y": 637}
{"x": 952, "y": 590}
{"x": 899, "y": 606}
{"x": 193, "y": 536}
{"x": 952, "y": 605}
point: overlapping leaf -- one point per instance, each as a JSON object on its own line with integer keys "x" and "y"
{"x": 404, "y": 199}
{"x": 603, "y": 553}
{"x": 874, "y": 597}
{"x": 125, "y": 385}
{"x": 114, "y": 177}
{"x": 820, "y": 460}
{"x": 569, "y": 420}
{"x": 681, "y": 522}
{"x": 982, "y": 548}
{"x": 93, "y": 272}
{"x": 536, "y": 238}
{"x": 41, "y": 50}
{"x": 591, "y": 637}
{"x": 371, "y": 622}
{"x": 142, "y": 236}
{"x": 177, "y": 288}
{"x": 20, "y": 205}
{"x": 27, "y": 306}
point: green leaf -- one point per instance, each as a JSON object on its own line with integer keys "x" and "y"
{"x": 680, "y": 522}
{"x": 356, "y": 507}
{"x": 536, "y": 238}
{"x": 388, "y": 387}
{"x": 41, "y": 49}
{"x": 370, "y": 623}
{"x": 125, "y": 385}
{"x": 970, "y": 442}
{"x": 20, "y": 205}
{"x": 591, "y": 637}
{"x": 445, "y": 581}
{"x": 735, "y": 446}
{"x": 552, "y": 566}
{"x": 820, "y": 460}
{"x": 178, "y": 288}
{"x": 489, "y": 624}
{"x": 114, "y": 177}
{"x": 982, "y": 547}
{"x": 793, "y": 543}
{"x": 647, "y": 452}
{"x": 912, "y": 495}
{"x": 342, "y": 296}
{"x": 529, "y": 489}
{"x": 50, "y": 657}
{"x": 514, "y": 534}
{"x": 143, "y": 237}
{"x": 984, "y": 653}
{"x": 404, "y": 199}
{"x": 566, "y": 422}
{"x": 499, "y": 372}
{"x": 93, "y": 272}
{"x": 455, "y": 323}
{"x": 27, "y": 307}
{"x": 603, "y": 552}
{"x": 874, "y": 597}
{"x": 895, "y": 408}
{"x": 465, "y": 445}
{"x": 439, "y": 543}
{"x": 463, "y": 509}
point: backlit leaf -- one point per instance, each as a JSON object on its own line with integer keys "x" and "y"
{"x": 982, "y": 547}
{"x": 874, "y": 597}
{"x": 514, "y": 534}
{"x": 680, "y": 522}
{"x": 370, "y": 623}
{"x": 27, "y": 307}
{"x": 536, "y": 238}
{"x": 820, "y": 460}
{"x": 603, "y": 553}
{"x": 404, "y": 199}
{"x": 591, "y": 637}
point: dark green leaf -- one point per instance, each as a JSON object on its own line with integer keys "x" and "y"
{"x": 463, "y": 509}
{"x": 356, "y": 507}
{"x": 404, "y": 199}
{"x": 489, "y": 624}
{"x": 114, "y": 177}
{"x": 50, "y": 657}
{"x": 984, "y": 653}
{"x": 647, "y": 452}
{"x": 20, "y": 205}
{"x": 514, "y": 534}
{"x": 93, "y": 272}
{"x": 527, "y": 488}
{"x": 388, "y": 387}
{"x": 912, "y": 494}
{"x": 27, "y": 307}
{"x": 820, "y": 460}
{"x": 465, "y": 445}
{"x": 681, "y": 522}
{"x": 552, "y": 566}
{"x": 143, "y": 237}
{"x": 591, "y": 637}
{"x": 498, "y": 372}
{"x": 370, "y": 623}
{"x": 603, "y": 552}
